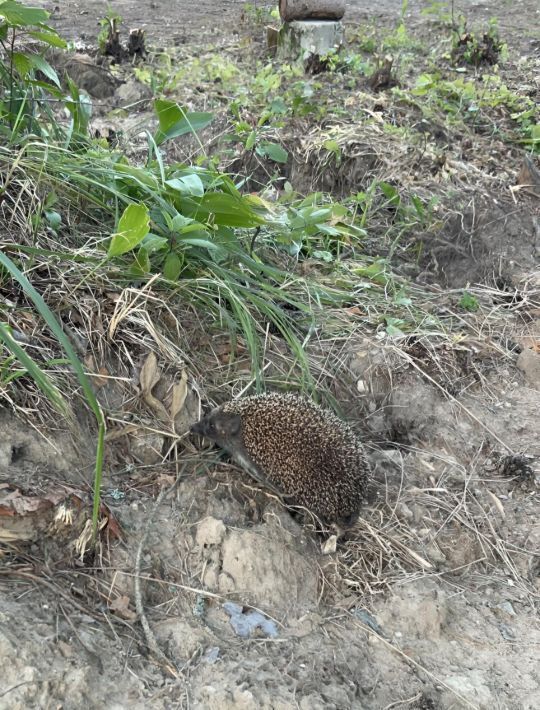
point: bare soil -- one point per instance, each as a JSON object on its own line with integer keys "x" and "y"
{"x": 430, "y": 603}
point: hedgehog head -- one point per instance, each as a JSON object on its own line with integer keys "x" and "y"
{"x": 224, "y": 428}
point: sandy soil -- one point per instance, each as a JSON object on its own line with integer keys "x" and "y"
{"x": 431, "y": 603}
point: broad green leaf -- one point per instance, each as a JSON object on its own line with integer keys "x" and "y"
{"x": 278, "y": 106}
{"x": 153, "y": 243}
{"x": 80, "y": 108}
{"x": 141, "y": 264}
{"x": 390, "y": 192}
{"x": 332, "y": 147}
{"x": 53, "y": 218}
{"x": 38, "y": 62}
{"x": 374, "y": 272}
{"x": 328, "y": 229}
{"x": 174, "y": 121}
{"x": 21, "y": 62}
{"x": 139, "y": 175}
{"x": 187, "y": 185}
{"x": 14, "y": 13}
{"x": 179, "y": 222}
{"x": 172, "y": 267}
{"x": 200, "y": 243}
{"x": 323, "y": 255}
{"x": 193, "y": 227}
{"x": 228, "y": 210}
{"x": 50, "y": 38}
{"x": 133, "y": 227}
{"x": 273, "y": 151}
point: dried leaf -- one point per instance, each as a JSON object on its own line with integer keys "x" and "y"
{"x": 101, "y": 381}
{"x": 149, "y": 377}
{"x": 157, "y": 406}
{"x": 165, "y": 481}
{"x": 529, "y": 177}
{"x": 179, "y": 395}
{"x": 15, "y": 503}
{"x": 112, "y": 525}
{"x": 120, "y": 606}
{"x": 329, "y": 546}
{"x": 498, "y": 504}
{"x": 150, "y": 374}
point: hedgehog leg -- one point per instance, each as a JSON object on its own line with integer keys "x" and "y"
{"x": 255, "y": 472}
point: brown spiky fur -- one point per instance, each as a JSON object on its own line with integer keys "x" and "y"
{"x": 296, "y": 448}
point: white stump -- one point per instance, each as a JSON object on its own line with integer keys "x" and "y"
{"x": 299, "y": 40}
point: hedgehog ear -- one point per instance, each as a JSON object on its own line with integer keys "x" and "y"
{"x": 235, "y": 423}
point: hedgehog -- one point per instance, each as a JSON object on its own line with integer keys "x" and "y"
{"x": 304, "y": 453}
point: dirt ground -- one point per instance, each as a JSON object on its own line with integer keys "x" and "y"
{"x": 179, "y": 21}
{"x": 430, "y": 603}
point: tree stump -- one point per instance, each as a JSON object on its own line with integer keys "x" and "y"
{"x": 299, "y": 40}
{"x": 113, "y": 47}
{"x": 292, "y": 10}
{"x": 136, "y": 44}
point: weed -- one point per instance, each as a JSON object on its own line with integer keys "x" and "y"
{"x": 470, "y": 48}
{"x": 110, "y": 25}
{"x": 465, "y": 99}
{"x": 469, "y": 302}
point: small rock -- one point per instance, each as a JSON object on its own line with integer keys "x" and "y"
{"x": 507, "y": 632}
{"x": 132, "y": 92}
{"x": 403, "y": 512}
{"x": 329, "y": 546}
{"x": 506, "y": 608}
{"x": 472, "y": 687}
{"x": 147, "y": 446}
{"x": 529, "y": 363}
{"x": 210, "y": 531}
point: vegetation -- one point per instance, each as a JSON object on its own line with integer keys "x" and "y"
{"x": 192, "y": 229}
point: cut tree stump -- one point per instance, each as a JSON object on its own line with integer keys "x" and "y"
{"x": 136, "y": 44}
{"x": 292, "y": 10}
{"x": 299, "y": 40}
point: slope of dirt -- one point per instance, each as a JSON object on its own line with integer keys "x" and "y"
{"x": 430, "y": 603}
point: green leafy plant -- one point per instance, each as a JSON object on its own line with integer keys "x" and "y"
{"x": 112, "y": 20}
{"x": 27, "y": 79}
{"x": 472, "y": 48}
{"x": 469, "y": 302}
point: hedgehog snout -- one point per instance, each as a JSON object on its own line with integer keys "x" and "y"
{"x": 198, "y": 428}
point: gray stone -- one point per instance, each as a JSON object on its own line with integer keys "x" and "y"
{"x": 529, "y": 363}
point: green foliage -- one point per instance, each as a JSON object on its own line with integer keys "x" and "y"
{"x": 439, "y": 11}
{"x": 189, "y": 225}
{"x": 111, "y": 19}
{"x": 475, "y": 49}
{"x": 466, "y": 99}
{"x": 259, "y": 15}
{"x": 469, "y": 302}
{"x": 42, "y": 379}
{"x": 133, "y": 227}
{"x": 28, "y": 83}
{"x": 174, "y": 121}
